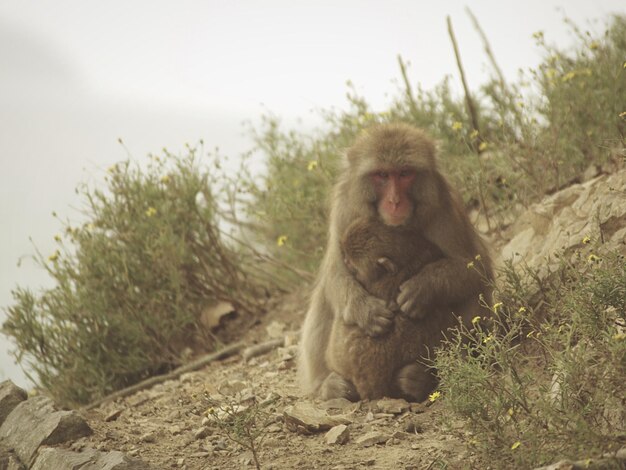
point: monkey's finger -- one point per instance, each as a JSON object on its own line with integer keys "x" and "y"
{"x": 380, "y": 327}
{"x": 406, "y": 295}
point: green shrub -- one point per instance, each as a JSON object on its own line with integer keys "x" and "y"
{"x": 537, "y": 391}
{"x": 132, "y": 281}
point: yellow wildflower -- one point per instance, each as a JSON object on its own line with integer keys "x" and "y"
{"x": 594, "y": 45}
{"x": 281, "y": 240}
{"x": 496, "y": 306}
{"x": 57, "y": 238}
{"x": 551, "y": 73}
{"x": 165, "y": 179}
{"x": 530, "y": 333}
{"x": 474, "y": 134}
{"x": 538, "y": 35}
{"x": 487, "y": 339}
{"x": 568, "y": 76}
{"x": 592, "y": 258}
{"x": 457, "y": 126}
{"x": 516, "y": 445}
{"x": 619, "y": 336}
{"x": 477, "y": 257}
{"x": 475, "y": 320}
{"x": 151, "y": 211}
{"x": 470, "y": 265}
{"x": 54, "y": 256}
{"x": 622, "y": 115}
{"x": 312, "y": 165}
{"x": 482, "y": 146}
{"x": 521, "y": 310}
{"x": 434, "y": 396}
{"x": 586, "y": 240}
{"x": 624, "y": 65}
{"x": 510, "y": 412}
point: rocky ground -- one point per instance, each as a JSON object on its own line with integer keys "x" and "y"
{"x": 185, "y": 423}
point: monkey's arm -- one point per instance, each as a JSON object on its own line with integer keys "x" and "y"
{"x": 349, "y": 299}
{"x": 449, "y": 280}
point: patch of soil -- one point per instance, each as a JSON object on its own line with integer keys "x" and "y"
{"x": 173, "y": 424}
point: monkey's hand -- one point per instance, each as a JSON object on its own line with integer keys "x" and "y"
{"x": 373, "y": 316}
{"x": 414, "y": 298}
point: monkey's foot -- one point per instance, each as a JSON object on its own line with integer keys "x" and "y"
{"x": 335, "y": 386}
{"x": 416, "y": 381}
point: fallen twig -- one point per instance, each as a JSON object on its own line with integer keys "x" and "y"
{"x": 194, "y": 365}
{"x": 263, "y": 348}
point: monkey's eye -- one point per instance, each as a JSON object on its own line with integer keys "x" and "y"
{"x": 406, "y": 173}
{"x": 383, "y": 175}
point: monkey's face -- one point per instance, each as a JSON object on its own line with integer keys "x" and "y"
{"x": 393, "y": 188}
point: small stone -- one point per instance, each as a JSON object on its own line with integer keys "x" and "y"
{"x": 393, "y": 406}
{"x": 232, "y": 387}
{"x": 113, "y": 415}
{"x": 401, "y": 435}
{"x": 414, "y": 427}
{"x": 200, "y": 454}
{"x": 276, "y": 329}
{"x": 274, "y": 428}
{"x": 338, "y": 404}
{"x": 201, "y": 433}
{"x": 175, "y": 430}
{"x": 180, "y": 462}
{"x": 286, "y": 365}
{"x": 372, "y": 438}
{"x": 291, "y": 339}
{"x": 148, "y": 437}
{"x": 338, "y": 435}
{"x": 206, "y": 421}
{"x": 286, "y": 354}
{"x": 133, "y": 452}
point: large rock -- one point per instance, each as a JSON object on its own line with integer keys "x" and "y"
{"x": 35, "y": 422}
{"x": 10, "y": 396}
{"x": 50, "y": 458}
{"x": 306, "y": 418}
{"x": 596, "y": 208}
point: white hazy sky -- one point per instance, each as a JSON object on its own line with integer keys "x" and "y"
{"x": 77, "y": 74}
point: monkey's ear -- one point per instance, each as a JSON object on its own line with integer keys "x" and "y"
{"x": 388, "y": 265}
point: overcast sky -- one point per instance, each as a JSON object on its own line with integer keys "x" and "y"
{"x": 75, "y": 75}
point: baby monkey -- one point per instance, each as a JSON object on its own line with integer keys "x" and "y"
{"x": 381, "y": 258}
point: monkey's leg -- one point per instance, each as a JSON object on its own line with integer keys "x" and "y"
{"x": 336, "y": 386}
{"x": 415, "y": 381}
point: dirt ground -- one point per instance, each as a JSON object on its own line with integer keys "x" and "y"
{"x": 184, "y": 423}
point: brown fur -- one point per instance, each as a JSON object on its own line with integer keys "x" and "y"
{"x": 428, "y": 297}
{"x": 381, "y": 259}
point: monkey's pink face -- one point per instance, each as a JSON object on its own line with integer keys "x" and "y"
{"x": 393, "y": 188}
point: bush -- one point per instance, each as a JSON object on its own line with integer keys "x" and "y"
{"x": 537, "y": 391}
{"x": 132, "y": 281}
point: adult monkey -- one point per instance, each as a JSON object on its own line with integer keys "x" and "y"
{"x": 391, "y": 175}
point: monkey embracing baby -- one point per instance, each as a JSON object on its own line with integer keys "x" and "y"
{"x": 394, "y": 275}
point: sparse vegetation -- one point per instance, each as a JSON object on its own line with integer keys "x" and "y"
{"x": 158, "y": 245}
{"x": 534, "y": 391}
